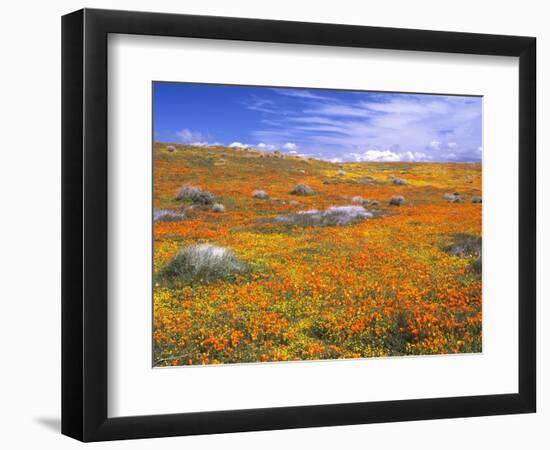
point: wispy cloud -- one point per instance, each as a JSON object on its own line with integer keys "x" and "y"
{"x": 327, "y": 124}
{"x": 260, "y": 104}
{"x": 301, "y": 93}
{"x": 386, "y": 127}
{"x": 341, "y": 110}
{"x": 186, "y": 136}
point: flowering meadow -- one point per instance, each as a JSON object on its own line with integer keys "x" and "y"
{"x": 250, "y": 266}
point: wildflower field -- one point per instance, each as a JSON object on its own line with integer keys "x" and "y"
{"x": 261, "y": 256}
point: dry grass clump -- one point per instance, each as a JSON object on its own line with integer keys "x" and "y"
{"x": 167, "y": 215}
{"x": 196, "y": 195}
{"x": 203, "y": 198}
{"x": 341, "y": 173}
{"x": 218, "y": 207}
{"x": 399, "y": 182}
{"x": 203, "y": 262}
{"x": 344, "y": 215}
{"x": 332, "y": 216}
{"x": 170, "y": 148}
{"x": 476, "y": 266}
{"x": 476, "y": 199}
{"x": 358, "y": 200}
{"x": 366, "y": 180}
{"x": 464, "y": 245}
{"x": 302, "y": 189}
{"x": 396, "y": 200}
{"x": 186, "y": 192}
{"x": 261, "y": 195}
{"x": 467, "y": 246}
{"x": 454, "y": 198}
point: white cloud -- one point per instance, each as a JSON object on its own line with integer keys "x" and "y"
{"x": 186, "y": 136}
{"x": 451, "y": 144}
{"x": 206, "y": 144}
{"x": 263, "y": 146}
{"x": 239, "y": 145}
{"x": 290, "y": 146}
{"x": 374, "y": 155}
{"x": 436, "y": 145}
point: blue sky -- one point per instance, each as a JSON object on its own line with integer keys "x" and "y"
{"x": 322, "y": 123}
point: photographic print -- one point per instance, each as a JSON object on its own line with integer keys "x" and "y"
{"x": 294, "y": 224}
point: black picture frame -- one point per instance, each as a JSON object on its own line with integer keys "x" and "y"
{"x": 84, "y": 224}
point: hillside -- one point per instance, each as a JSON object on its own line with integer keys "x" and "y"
{"x": 337, "y": 273}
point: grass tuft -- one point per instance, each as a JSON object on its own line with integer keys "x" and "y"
{"x": 396, "y": 200}
{"x": 302, "y": 189}
{"x": 332, "y": 216}
{"x": 203, "y": 262}
{"x": 167, "y": 215}
{"x": 196, "y": 195}
{"x": 467, "y": 246}
{"x": 261, "y": 195}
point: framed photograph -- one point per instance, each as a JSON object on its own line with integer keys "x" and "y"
{"x": 273, "y": 224}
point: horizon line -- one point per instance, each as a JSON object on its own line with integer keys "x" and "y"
{"x": 302, "y": 156}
